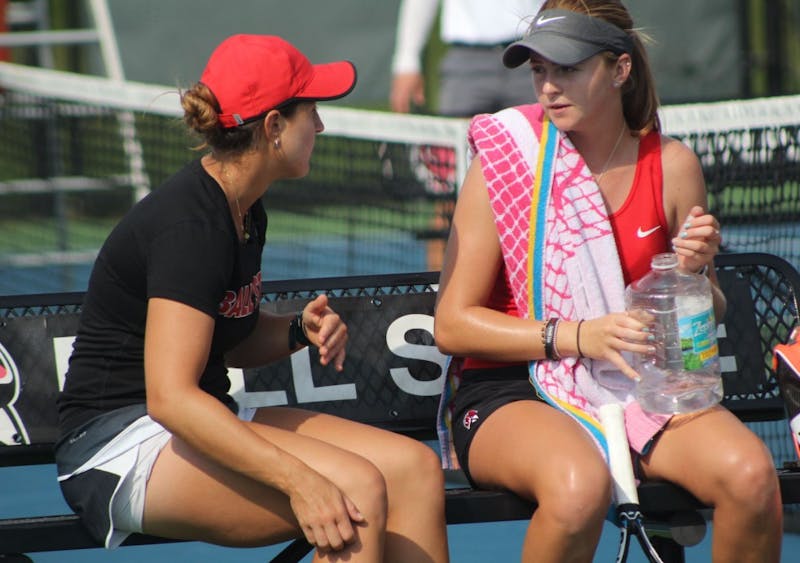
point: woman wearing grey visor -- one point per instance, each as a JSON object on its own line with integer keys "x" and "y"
{"x": 565, "y": 203}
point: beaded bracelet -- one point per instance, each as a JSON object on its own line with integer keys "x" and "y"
{"x": 297, "y": 332}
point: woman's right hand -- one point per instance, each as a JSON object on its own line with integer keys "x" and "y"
{"x": 605, "y": 337}
{"x": 325, "y": 514}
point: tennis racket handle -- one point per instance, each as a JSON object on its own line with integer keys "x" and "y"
{"x": 794, "y": 424}
{"x": 619, "y": 456}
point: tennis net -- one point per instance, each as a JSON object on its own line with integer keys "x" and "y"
{"x": 750, "y": 153}
{"x": 77, "y": 151}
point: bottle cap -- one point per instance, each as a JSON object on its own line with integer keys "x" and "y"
{"x": 664, "y": 261}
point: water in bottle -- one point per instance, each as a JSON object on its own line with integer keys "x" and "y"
{"x": 683, "y": 373}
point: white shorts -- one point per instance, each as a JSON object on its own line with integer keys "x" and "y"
{"x": 127, "y": 504}
{"x": 129, "y": 458}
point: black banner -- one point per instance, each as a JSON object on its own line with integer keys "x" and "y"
{"x": 393, "y": 371}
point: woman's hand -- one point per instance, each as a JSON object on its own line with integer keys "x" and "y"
{"x": 605, "y": 337}
{"x": 326, "y": 330}
{"x": 698, "y": 241}
{"x": 324, "y": 513}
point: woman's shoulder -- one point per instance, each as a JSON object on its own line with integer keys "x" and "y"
{"x": 683, "y": 175}
{"x": 190, "y": 191}
{"x": 186, "y": 202}
{"x": 186, "y": 177}
{"x": 677, "y": 156}
{"x": 675, "y": 147}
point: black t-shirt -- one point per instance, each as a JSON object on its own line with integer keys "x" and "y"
{"x": 178, "y": 243}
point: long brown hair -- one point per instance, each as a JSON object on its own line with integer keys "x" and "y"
{"x": 639, "y": 97}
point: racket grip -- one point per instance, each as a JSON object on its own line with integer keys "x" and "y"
{"x": 619, "y": 456}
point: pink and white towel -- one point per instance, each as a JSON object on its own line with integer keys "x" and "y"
{"x": 562, "y": 265}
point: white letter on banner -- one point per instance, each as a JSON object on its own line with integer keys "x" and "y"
{"x": 253, "y": 399}
{"x": 396, "y": 341}
{"x": 727, "y": 364}
{"x": 304, "y": 383}
{"x": 62, "y": 349}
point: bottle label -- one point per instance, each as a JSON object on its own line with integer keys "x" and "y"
{"x": 698, "y": 340}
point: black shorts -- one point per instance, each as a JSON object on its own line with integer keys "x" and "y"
{"x": 481, "y": 392}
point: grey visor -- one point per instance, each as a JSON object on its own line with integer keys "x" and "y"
{"x": 567, "y": 38}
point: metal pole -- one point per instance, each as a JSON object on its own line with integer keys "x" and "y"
{"x": 109, "y": 51}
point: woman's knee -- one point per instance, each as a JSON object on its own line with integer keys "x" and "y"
{"x": 749, "y": 479}
{"x": 579, "y": 496}
{"x": 366, "y": 486}
{"x": 417, "y": 470}
{"x": 426, "y": 464}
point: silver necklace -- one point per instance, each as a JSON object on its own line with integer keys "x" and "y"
{"x": 242, "y": 223}
{"x": 245, "y": 230}
{"x": 610, "y": 156}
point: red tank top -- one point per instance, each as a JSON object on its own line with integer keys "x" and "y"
{"x": 640, "y": 230}
{"x": 640, "y": 226}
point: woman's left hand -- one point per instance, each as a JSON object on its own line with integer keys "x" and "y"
{"x": 698, "y": 241}
{"x": 326, "y": 330}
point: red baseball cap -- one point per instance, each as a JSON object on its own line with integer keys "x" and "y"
{"x": 253, "y": 74}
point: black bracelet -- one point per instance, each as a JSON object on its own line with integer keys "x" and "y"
{"x": 297, "y": 332}
{"x": 578, "y": 339}
{"x": 548, "y": 337}
{"x": 556, "y": 353}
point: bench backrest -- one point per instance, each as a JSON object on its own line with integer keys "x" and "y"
{"x": 393, "y": 372}
{"x": 762, "y": 291}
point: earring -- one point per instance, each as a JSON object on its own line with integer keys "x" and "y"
{"x": 617, "y": 84}
{"x": 277, "y": 143}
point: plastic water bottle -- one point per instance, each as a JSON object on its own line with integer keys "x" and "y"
{"x": 683, "y": 374}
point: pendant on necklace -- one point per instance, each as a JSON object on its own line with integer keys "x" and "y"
{"x": 243, "y": 221}
{"x": 246, "y": 227}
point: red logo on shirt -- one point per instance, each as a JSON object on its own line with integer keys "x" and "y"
{"x": 242, "y": 303}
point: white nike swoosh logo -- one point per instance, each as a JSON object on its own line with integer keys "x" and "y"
{"x": 641, "y": 234}
{"x": 542, "y": 21}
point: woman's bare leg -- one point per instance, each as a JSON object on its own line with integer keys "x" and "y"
{"x": 539, "y": 453}
{"x": 719, "y": 460}
{"x": 415, "y": 526}
{"x": 190, "y": 497}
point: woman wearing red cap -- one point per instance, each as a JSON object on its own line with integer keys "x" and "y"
{"x": 151, "y": 439}
{"x": 565, "y": 203}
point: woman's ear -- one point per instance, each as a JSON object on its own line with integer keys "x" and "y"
{"x": 622, "y": 69}
{"x": 273, "y": 125}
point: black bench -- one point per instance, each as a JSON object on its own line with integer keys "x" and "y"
{"x": 392, "y": 380}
